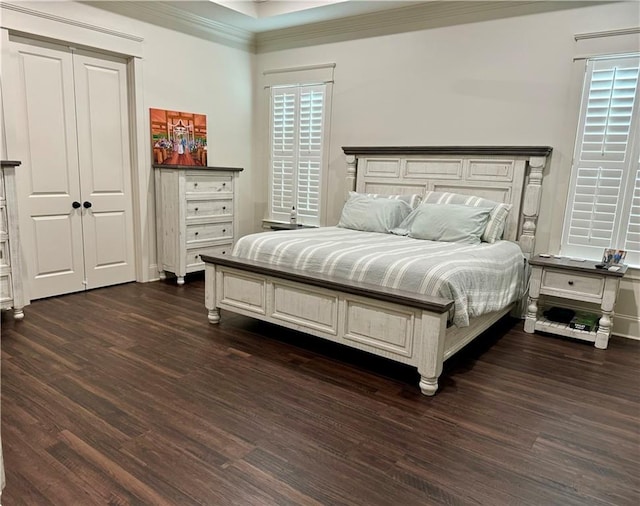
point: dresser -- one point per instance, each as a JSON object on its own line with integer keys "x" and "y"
{"x": 196, "y": 215}
{"x": 11, "y": 291}
{"x": 571, "y": 281}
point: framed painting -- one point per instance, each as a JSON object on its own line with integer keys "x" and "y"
{"x": 178, "y": 138}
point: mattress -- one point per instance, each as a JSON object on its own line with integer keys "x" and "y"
{"x": 479, "y": 278}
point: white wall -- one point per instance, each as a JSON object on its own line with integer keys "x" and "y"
{"x": 178, "y": 72}
{"x": 500, "y": 82}
{"x": 506, "y": 81}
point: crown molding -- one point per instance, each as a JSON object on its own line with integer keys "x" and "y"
{"x": 431, "y": 14}
{"x": 173, "y": 18}
{"x": 405, "y": 19}
{"x": 59, "y": 19}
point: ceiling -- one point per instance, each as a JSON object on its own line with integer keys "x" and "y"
{"x": 258, "y": 16}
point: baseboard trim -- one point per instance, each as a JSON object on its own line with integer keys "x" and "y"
{"x": 626, "y": 326}
{"x": 152, "y": 274}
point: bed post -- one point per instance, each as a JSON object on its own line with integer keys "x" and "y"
{"x": 531, "y": 205}
{"x": 210, "y": 293}
{"x": 351, "y": 174}
{"x": 431, "y": 350}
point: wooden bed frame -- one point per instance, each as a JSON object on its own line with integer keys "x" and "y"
{"x": 402, "y": 326}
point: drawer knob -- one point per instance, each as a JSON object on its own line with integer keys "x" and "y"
{"x": 195, "y": 184}
{"x": 196, "y": 209}
{"x": 224, "y": 252}
{"x": 224, "y": 208}
{"x": 224, "y": 184}
{"x": 197, "y": 233}
{"x": 224, "y": 230}
{"x": 570, "y": 282}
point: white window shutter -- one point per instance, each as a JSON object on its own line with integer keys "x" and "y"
{"x": 297, "y": 135}
{"x": 283, "y": 141}
{"x": 310, "y": 153}
{"x": 601, "y": 182}
{"x": 632, "y": 243}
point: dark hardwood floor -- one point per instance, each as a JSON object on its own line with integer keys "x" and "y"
{"x": 126, "y": 395}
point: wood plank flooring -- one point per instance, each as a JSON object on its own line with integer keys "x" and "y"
{"x": 126, "y": 395}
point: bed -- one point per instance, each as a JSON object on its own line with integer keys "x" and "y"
{"x": 384, "y": 311}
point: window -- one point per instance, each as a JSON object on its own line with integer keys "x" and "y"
{"x": 603, "y": 209}
{"x": 297, "y": 151}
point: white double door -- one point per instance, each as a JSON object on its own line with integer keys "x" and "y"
{"x": 66, "y": 113}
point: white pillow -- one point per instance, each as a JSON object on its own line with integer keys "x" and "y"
{"x": 371, "y": 214}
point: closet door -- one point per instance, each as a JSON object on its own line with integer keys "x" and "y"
{"x": 69, "y": 125}
{"x": 41, "y": 131}
{"x": 105, "y": 169}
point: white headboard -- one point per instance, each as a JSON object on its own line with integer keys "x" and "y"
{"x": 510, "y": 174}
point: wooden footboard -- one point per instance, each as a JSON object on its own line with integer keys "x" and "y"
{"x": 402, "y": 326}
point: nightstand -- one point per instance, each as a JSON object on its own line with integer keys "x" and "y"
{"x": 575, "y": 281}
{"x": 288, "y": 226}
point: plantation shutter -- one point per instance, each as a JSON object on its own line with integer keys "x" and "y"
{"x": 632, "y": 243}
{"x": 603, "y": 206}
{"x": 283, "y": 143}
{"x": 297, "y": 132}
{"x": 310, "y": 152}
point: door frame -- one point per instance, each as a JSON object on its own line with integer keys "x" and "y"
{"x": 42, "y": 25}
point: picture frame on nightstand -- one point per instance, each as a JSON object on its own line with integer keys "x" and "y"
{"x": 613, "y": 256}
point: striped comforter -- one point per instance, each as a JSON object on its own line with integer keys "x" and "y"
{"x": 479, "y": 278}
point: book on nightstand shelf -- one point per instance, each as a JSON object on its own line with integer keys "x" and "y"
{"x": 584, "y": 321}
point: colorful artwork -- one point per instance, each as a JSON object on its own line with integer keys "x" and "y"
{"x": 178, "y": 138}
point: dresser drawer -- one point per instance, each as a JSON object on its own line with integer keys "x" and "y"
{"x": 574, "y": 284}
{"x": 199, "y": 183}
{"x": 209, "y": 232}
{"x": 4, "y": 254}
{"x": 3, "y": 220}
{"x": 209, "y": 208}
{"x": 5, "y": 288}
{"x": 194, "y": 262}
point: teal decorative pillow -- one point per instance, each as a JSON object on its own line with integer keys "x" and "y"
{"x": 370, "y": 214}
{"x": 447, "y": 223}
{"x": 497, "y": 217}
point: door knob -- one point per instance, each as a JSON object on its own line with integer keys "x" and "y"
{"x": 75, "y": 204}
{"x": 86, "y": 204}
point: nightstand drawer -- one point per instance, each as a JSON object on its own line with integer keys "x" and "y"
{"x": 572, "y": 284}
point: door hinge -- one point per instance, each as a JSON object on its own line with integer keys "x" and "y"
{"x": 85, "y": 282}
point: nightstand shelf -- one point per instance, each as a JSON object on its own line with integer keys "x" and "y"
{"x": 572, "y": 280}
{"x": 563, "y": 329}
